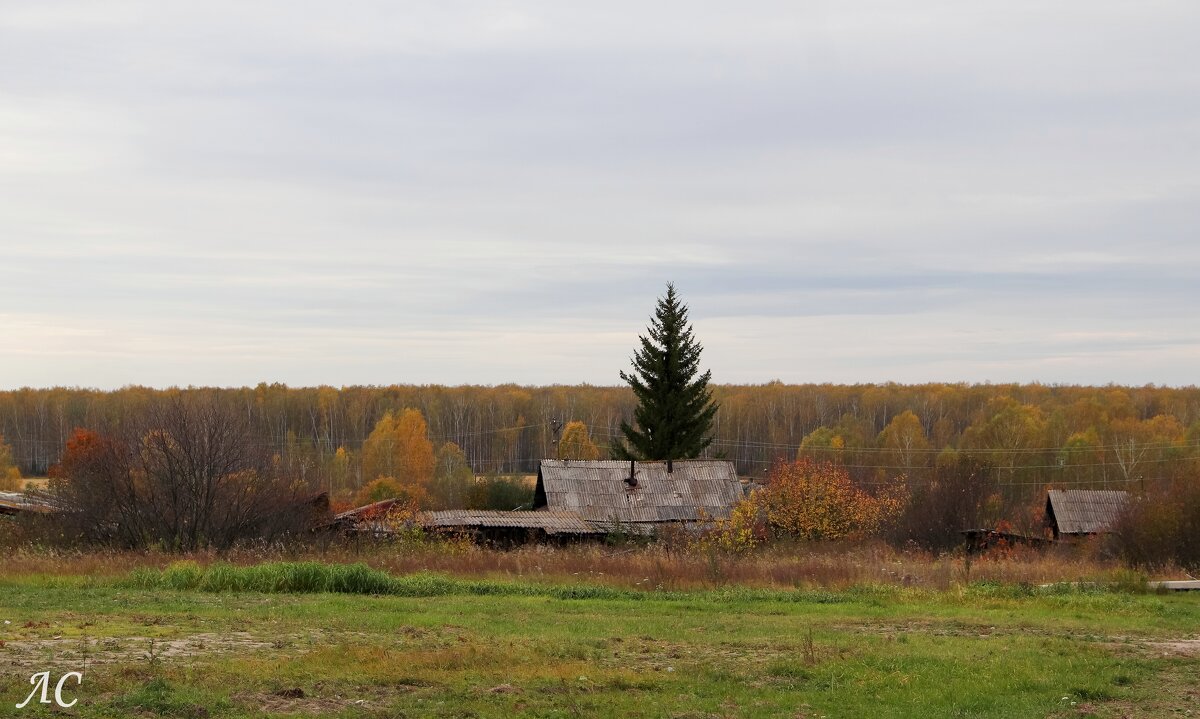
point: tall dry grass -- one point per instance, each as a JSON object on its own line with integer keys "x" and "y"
{"x": 811, "y": 565}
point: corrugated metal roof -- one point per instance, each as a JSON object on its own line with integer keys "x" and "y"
{"x": 549, "y": 521}
{"x": 597, "y": 490}
{"x": 1085, "y": 511}
{"x": 13, "y": 502}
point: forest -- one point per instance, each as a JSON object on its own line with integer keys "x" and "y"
{"x": 1028, "y": 435}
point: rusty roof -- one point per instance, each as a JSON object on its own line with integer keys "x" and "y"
{"x": 549, "y": 521}
{"x": 597, "y": 489}
{"x": 1084, "y": 511}
{"x": 368, "y": 511}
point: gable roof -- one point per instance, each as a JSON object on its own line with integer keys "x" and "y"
{"x": 597, "y": 489}
{"x": 1084, "y": 511}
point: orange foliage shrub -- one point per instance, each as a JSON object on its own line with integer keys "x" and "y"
{"x": 817, "y": 500}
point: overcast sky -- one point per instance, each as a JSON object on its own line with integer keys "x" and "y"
{"x": 222, "y": 193}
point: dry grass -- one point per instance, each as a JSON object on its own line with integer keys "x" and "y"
{"x": 818, "y": 565}
{"x": 37, "y": 483}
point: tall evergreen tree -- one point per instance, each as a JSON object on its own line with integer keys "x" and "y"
{"x": 675, "y": 408}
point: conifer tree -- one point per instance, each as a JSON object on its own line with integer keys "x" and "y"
{"x": 675, "y": 408}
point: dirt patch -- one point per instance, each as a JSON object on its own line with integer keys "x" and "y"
{"x": 1174, "y": 694}
{"x": 86, "y": 652}
{"x": 1177, "y": 648}
{"x": 277, "y": 703}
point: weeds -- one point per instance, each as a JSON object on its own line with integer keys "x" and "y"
{"x": 368, "y": 567}
{"x": 808, "y": 648}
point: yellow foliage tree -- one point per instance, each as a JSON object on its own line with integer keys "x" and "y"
{"x": 576, "y": 444}
{"x": 339, "y": 473}
{"x": 399, "y": 447}
{"x": 817, "y": 500}
{"x": 10, "y": 476}
{"x": 452, "y": 478}
{"x": 905, "y": 440}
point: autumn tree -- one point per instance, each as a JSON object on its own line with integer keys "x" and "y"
{"x": 823, "y": 443}
{"x": 960, "y": 493}
{"x": 199, "y": 479}
{"x": 675, "y": 409}
{"x": 399, "y": 447}
{"x": 339, "y": 472}
{"x": 10, "y": 476}
{"x": 1082, "y": 458}
{"x": 187, "y": 477}
{"x": 905, "y": 441}
{"x": 576, "y": 444}
{"x": 1010, "y": 430}
{"x": 817, "y": 500}
{"x": 94, "y": 479}
{"x": 1140, "y": 443}
{"x": 452, "y": 478}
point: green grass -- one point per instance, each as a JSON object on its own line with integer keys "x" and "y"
{"x": 227, "y": 641}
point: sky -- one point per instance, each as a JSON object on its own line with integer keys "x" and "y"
{"x": 455, "y": 192}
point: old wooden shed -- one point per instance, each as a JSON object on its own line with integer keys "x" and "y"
{"x": 1078, "y": 512}
{"x": 638, "y": 496}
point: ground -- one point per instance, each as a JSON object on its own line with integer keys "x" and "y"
{"x": 538, "y": 650}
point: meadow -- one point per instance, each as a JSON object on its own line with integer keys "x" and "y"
{"x": 594, "y": 631}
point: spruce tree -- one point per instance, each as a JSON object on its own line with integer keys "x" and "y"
{"x": 675, "y": 408}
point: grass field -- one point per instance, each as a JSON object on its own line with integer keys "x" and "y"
{"x": 229, "y": 641}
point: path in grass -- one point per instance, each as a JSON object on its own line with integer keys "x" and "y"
{"x": 524, "y": 650}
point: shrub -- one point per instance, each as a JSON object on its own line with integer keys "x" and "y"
{"x": 1161, "y": 528}
{"x": 408, "y": 495}
{"x": 499, "y": 492}
{"x": 960, "y": 494}
{"x": 188, "y": 475}
{"x": 817, "y": 500}
{"x": 743, "y": 530}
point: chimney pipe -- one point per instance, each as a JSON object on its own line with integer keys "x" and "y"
{"x": 631, "y": 480}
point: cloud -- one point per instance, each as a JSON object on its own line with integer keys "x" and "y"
{"x": 464, "y": 192}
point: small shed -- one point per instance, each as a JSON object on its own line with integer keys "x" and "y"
{"x": 1079, "y": 512}
{"x": 637, "y": 496}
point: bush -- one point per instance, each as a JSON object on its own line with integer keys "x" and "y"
{"x": 189, "y": 475}
{"x": 501, "y": 493}
{"x": 743, "y": 530}
{"x": 1161, "y": 528}
{"x": 817, "y": 500}
{"x": 960, "y": 494}
{"x": 410, "y": 496}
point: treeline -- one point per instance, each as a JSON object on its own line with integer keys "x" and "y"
{"x": 1029, "y": 435}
